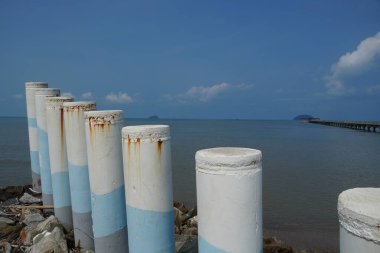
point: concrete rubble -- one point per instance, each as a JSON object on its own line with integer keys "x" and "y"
{"x": 25, "y": 228}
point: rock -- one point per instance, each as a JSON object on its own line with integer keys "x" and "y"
{"x": 29, "y": 199}
{"x": 186, "y": 243}
{"x": 33, "y": 229}
{"x": 6, "y": 221}
{"x": 7, "y": 230}
{"x": 10, "y": 192}
{"x": 5, "y": 247}
{"x": 193, "y": 222}
{"x": 180, "y": 206}
{"x": 33, "y": 218}
{"x": 177, "y": 217}
{"x": 47, "y": 242}
{"x": 10, "y": 202}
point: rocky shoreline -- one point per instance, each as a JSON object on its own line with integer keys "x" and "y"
{"x": 26, "y": 226}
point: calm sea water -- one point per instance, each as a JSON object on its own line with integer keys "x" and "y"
{"x": 305, "y": 167}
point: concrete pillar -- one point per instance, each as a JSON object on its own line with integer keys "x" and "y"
{"x": 78, "y": 171}
{"x": 58, "y": 160}
{"x": 229, "y": 197}
{"x": 359, "y": 218}
{"x": 105, "y": 163}
{"x": 43, "y": 143}
{"x": 30, "y": 88}
{"x": 148, "y": 188}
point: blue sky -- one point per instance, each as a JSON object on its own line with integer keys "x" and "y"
{"x": 197, "y": 59}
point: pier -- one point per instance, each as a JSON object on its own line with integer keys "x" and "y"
{"x": 356, "y": 125}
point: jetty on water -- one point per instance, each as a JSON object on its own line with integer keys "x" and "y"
{"x": 356, "y": 125}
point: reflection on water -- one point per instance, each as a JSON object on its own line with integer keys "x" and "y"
{"x": 305, "y": 167}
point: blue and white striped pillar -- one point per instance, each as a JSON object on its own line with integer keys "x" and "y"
{"x": 229, "y": 198}
{"x": 58, "y": 160}
{"x": 43, "y": 143}
{"x": 78, "y": 171}
{"x": 30, "y": 88}
{"x": 149, "y": 188}
{"x": 105, "y": 163}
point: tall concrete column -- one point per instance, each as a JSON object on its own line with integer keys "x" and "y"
{"x": 30, "y": 88}
{"x": 359, "y": 218}
{"x": 229, "y": 198}
{"x": 78, "y": 171}
{"x": 58, "y": 160}
{"x": 43, "y": 143}
{"x": 105, "y": 163}
{"x": 149, "y": 188}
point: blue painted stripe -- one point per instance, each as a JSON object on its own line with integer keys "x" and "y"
{"x": 206, "y": 247}
{"x": 108, "y": 212}
{"x": 32, "y": 122}
{"x": 150, "y": 231}
{"x": 43, "y": 148}
{"x": 80, "y": 188}
{"x": 61, "y": 189}
{"x": 35, "y": 161}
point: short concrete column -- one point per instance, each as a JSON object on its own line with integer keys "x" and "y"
{"x": 359, "y": 218}
{"x": 149, "y": 188}
{"x": 105, "y": 163}
{"x": 58, "y": 160}
{"x": 229, "y": 197}
{"x": 43, "y": 143}
{"x": 73, "y": 113}
{"x": 30, "y": 88}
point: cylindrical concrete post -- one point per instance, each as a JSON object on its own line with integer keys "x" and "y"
{"x": 359, "y": 218}
{"x": 30, "y": 88}
{"x": 58, "y": 160}
{"x": 105, "y": 163}
{"x": 43, "y": 143}
{"x": 229, "y": 197}
{"x": 148, "y": 188}
{"x": 78, "y": 171}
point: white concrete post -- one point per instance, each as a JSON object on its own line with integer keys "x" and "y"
{"x": 43, "y": 144}
{"x": 148, "y": 188}
{"x": 78, "y": 171}
{"x": 359, "y": 218}
{"x": 105, "y": 163}
{"x": 229, "y": 197}
{"x": 30, "y": 88}
{"x": 58, "y": 160}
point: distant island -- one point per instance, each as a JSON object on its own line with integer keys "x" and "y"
{"x": 305, "y": 117}
{"x": 153, "y": 117}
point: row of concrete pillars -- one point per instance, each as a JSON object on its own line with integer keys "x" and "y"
{"x": 113, "y": 184}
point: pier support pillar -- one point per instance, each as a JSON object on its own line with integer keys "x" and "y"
{"x": 105, "y": 162}
{"x": 30, "y": 88}
{"x": 149, "y": 188}
{"x": 229, "y": 198}
{"x": 78, "y": 171}
{"x": 43, "y": 143}
{"x": 359, "y": 218}
{"x": 58, "y": 160}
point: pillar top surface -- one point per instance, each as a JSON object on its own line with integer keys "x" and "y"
{"x": 80, "y": 105}
{"x": 228, "y": 159}
{"x": 105, "y": 116}
{"x": 359, "y": 212}
{"x": 150, "y": 133}
{"x": 36, "y": 85}
{"x": 58, "y": 100}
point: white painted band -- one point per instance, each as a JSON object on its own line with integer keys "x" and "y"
{"x": 359, "y": 212}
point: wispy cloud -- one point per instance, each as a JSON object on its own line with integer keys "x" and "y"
{"x": 67, "y": 94}
{"x": 18, "y": 96}
{"x": 120, "y": 97}
{"x": 352, "y": 63}
{"x": 87, "y": 95}
{"x": 205, "y": 93}
{"x": 374, "y": 89}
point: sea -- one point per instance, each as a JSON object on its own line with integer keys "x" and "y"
{"x": 305, "y": 167}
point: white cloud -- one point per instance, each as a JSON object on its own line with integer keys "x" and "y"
{"x": 121, "y": 98}
{"x": 18, "y": 96}
{"x": 205, "y": 93}
{"x": 67, "y": 94}
{"x": 352, "y": 63}
{"x": 87, "y": 95}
